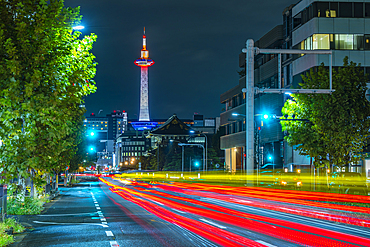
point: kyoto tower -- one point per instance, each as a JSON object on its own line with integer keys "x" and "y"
{"x": 144, "y": 62}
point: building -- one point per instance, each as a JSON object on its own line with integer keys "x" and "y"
{"x": 102, "y": 132}
{"x": 130, "y": 145}
{"x": 133, "y": 143}
{"x": 343, "y": 27}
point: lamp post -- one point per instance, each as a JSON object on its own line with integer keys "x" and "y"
{"x": 258, "y": 144}
{"x": 182, "y": 156}
{"x": 195, "y": 144}
{"x": 205, "y": 165}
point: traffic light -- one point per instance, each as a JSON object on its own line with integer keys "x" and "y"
{"x": 197, "y": 164}
{"x": 269, "y": 157}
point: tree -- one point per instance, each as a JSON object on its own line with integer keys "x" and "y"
{"x": 45, "y": 71}
{"x": 339, "y": 123}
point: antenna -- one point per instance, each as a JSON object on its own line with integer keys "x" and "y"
{"x": 144, "y": 30}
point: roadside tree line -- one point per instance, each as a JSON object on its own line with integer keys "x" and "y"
{"x": 338, "y": 126}
{"x": 46, "y": 70}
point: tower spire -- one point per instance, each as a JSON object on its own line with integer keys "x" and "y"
{"x": 144, "y": 62}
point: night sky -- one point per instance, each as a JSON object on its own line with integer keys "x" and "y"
{"x": 195, "y": 45}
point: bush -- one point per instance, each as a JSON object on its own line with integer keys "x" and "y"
{"x": 28, "y": 206}
{"x": 6, "y": 239}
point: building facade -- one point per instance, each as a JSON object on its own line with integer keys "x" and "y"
{"x": 343, "y": 27}
{"x": 102, "y": 132}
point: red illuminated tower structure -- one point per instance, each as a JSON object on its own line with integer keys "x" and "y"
{"x": 144, "y": 62}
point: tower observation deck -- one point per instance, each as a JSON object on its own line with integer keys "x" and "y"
{"x": 144, "y": 62}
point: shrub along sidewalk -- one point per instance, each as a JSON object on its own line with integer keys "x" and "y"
{"x": 7, "y": 229}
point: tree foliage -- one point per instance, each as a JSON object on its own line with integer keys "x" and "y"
{"x": 45, "y": 71}
{"x": 338, "y": 124}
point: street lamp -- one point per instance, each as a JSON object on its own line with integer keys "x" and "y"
{"x": 78, "y": 27}
{"x": 195, "y": 144}
{"x": 182, "y": 156}
{"x": 205, "y": 165}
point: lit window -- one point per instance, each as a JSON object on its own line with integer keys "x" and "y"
{"x": 320, "y": 41}
{"x": 344, "y": 41}
{"x": 105, "y": 125}
{"x": 308, "y": 43}
{"x": 101, "y": 122}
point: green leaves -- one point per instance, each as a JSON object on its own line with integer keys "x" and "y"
{"x": 339, "y": 122}
{"x": 44, "y": 72}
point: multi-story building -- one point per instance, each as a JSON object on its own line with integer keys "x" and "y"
{"x": 341, "y": 26}
{"x": 105, "y": 129}
{"x": 132, "y": 143}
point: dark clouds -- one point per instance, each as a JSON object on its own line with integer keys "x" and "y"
{"x": 195, "y": 45}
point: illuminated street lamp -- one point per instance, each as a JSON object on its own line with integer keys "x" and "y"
{"x": 78, "y": 27}
{"x": 206, "y": 155}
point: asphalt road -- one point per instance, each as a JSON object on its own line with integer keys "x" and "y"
{"x": 89, "y": 215}
{"x": 121, "y": 214}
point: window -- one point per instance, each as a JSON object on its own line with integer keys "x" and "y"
{"x": 322, "y": 9}
{"x": 367, "y": 9}
{"x": 333, "y": 9}
{"x": 367, "y": 42}
{"x": 358, "y": 42}
{"x": 320, "y": 41}
{"x": 304, "y": 16}
{"x": 344, "y": 41}
{"x": 358, "y": 10}
{"x": 345, "y": 9}
{"x": 297, "y": 20}
{"x": 308, "y": 43}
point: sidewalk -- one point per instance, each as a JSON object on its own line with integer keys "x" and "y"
{"x": 70, "y": 219}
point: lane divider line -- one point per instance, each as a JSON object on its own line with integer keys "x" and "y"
{"x": 109, "y": 233}
{"x": 114, "y": 244}
{"x": 264, "y": 243}
{"x": 212, "y": 223}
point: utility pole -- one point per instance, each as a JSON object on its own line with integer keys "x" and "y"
{"x": 250, "y": 90}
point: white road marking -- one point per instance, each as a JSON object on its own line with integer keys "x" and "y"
{"x": 56, "y": 223}
{"x": 264, "y": 243}
{"x": 109, "y": 233}
{"x": 114, "y": 244}
{"x": 103, "y": 219}
{"x": 104, "y": 223}
{"x": 65, "y": 214}
{"x": 212, "y": 223}
{"x": 98, "y": 208}
{"x": 179, "y": 211}
{"x": 156, "y": 202}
